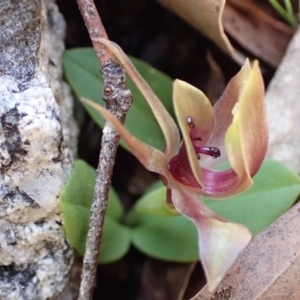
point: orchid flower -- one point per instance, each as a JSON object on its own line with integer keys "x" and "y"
{"x": 237, "y": 123}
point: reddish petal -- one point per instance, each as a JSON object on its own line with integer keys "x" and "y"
{"x": 152, "y": 159}
{"x": 180, "y": 168}
{"x": 196, "y": 121}
{"x": 217, "y": 184}
{"x": 246, "y": 139}
{"x": 223, "y": 115}
{"x": 162, "y": 116}
{"x": 220, "y": 241}
{"x": 220, "y": 184}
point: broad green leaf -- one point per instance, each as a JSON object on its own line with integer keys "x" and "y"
{"x": 154, "y": 202}
{"x": 170, "y": 239}
{"x": 80, "y": 190}
{"x": 275, "y": 190}
{"x": 82, "y": 71}
{"x": 116, "y": 241}
{"x": 75, "y": 203}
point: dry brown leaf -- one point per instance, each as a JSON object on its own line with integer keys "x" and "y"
{"x": 165, "y": 280}
{"x": 216, "y": 82}
{"x": 205, "y": 16}
{"x": 268, "y": 268}
{"x": 256, "y": 31}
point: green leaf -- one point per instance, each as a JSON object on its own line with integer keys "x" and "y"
{"x": 116, "y": 241}
{"x": 275, "y": 190}
{"x": 80, "y": 190}
{"x": 170, "y": 239}
{"x": 82, "y": 71}
{"x": 154, "y": 202}
{"x": 75, "y": 203}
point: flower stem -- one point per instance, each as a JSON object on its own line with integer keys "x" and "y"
{"x": 118, "y": 100}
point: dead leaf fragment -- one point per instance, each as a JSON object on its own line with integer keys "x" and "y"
{"x": 216, "y": 81}
{"x": 205, "y": 16}
{"x": 257, "y": 31}
{"x": 269, "y": 267}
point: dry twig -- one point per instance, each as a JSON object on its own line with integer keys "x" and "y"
{"x": 118, "y": 100}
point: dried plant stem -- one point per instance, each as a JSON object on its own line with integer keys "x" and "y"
{"x": 118, "y": 100}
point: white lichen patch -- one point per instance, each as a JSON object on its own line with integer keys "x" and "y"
{"x": 31, "y": 132}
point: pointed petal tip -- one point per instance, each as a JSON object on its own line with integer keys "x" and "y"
{"x": 250, "y": 65}
{"x": 246, "y": 63}
{"x": 85, "y": 100}
{"x": 220, "y": 244}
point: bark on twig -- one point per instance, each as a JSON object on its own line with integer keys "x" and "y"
{"x": 118, "y": 100}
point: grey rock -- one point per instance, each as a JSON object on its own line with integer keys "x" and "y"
{"x": 37, "y": 145}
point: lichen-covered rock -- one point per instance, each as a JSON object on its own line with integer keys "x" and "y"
{"x": 36, "y": 136}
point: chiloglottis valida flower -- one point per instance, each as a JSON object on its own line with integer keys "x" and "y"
{"x": 237, "y": 123}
